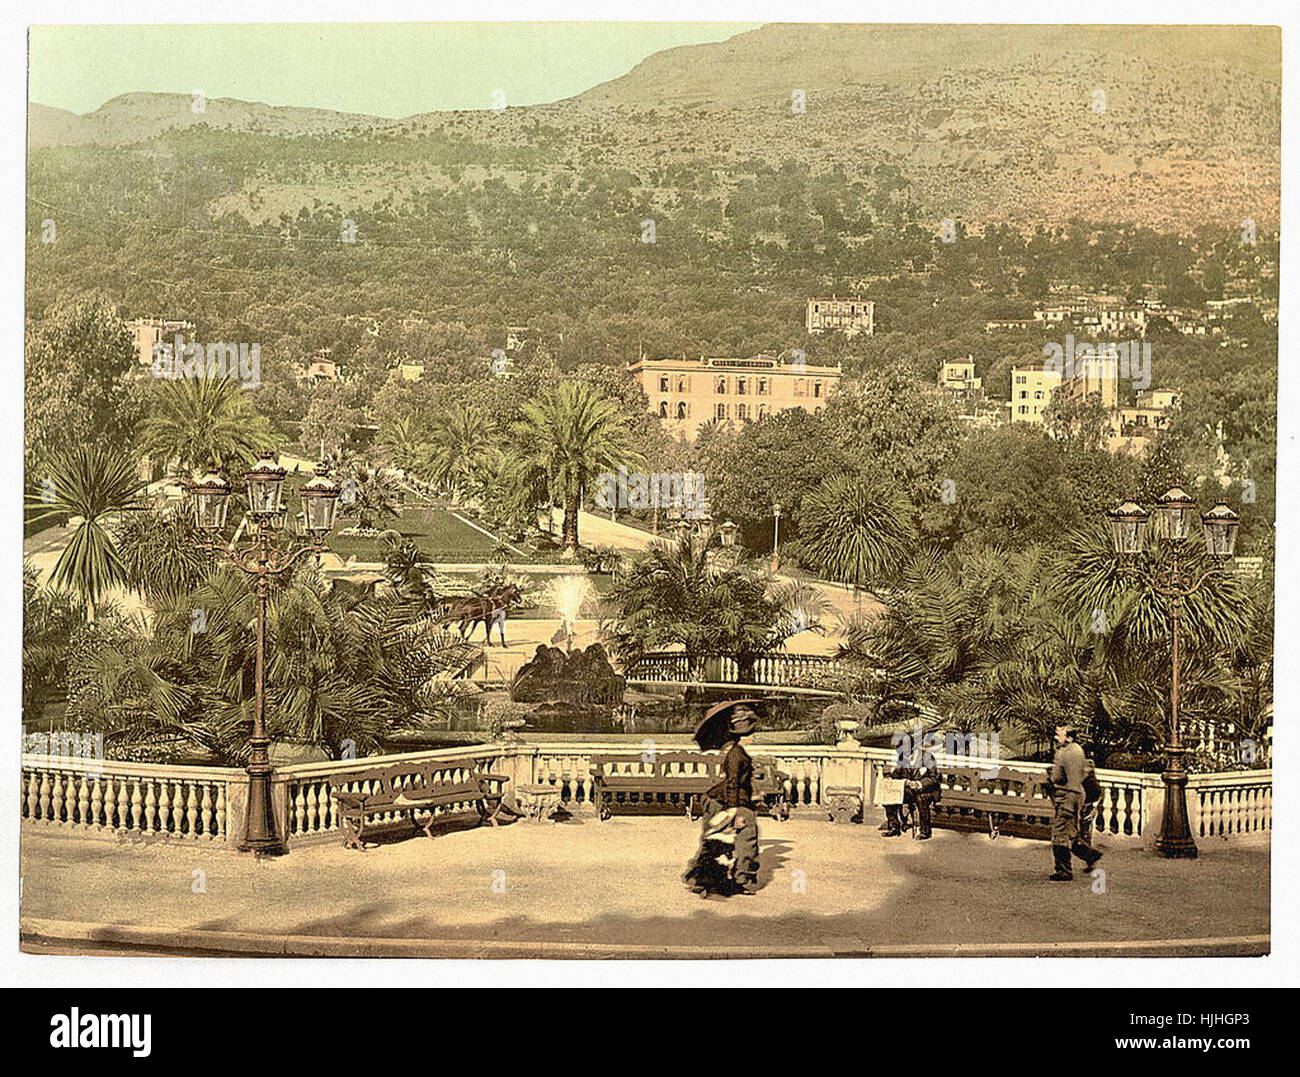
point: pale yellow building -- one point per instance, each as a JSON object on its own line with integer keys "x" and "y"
{"x": 1031, "y": 392}
{"x": 149, "y": 332}
{"x": 849, "y": 316}
{"x": 957, "y": 379}
{"x": 687, "y": 394}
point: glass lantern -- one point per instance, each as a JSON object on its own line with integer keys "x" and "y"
{"x": 320, "y": 501}
{"x": 265, "y": 480}
{"x": 727, "y": 532}
{"x": 1221, "y": 525}
{"x": 210, "y": 498}
{"x": 1175, "y": 514}
{"x": 1129, "y": 524}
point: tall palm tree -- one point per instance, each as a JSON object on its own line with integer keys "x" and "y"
{"x": 399, "y": 437}
{"x": 460, "y": 440}
{"x": 573, "y": 433}
{"x": 856, "y": 531}
{"x": 91, "y": 484}
{"x": 204, "y": 422}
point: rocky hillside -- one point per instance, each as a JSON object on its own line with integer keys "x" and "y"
{"x": 983, "y": 124}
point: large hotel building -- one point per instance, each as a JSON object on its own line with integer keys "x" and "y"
{"x": 687, "y": 394}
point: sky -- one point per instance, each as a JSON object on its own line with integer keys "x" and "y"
{"x": 380, "y": 69}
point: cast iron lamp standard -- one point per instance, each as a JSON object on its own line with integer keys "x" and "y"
{"x": 262, "y": 559}
{"x": 776, "y": 536}
{"x": 1167, "y": 576}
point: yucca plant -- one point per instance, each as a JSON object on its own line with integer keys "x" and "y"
{"x": 88, "y": 484}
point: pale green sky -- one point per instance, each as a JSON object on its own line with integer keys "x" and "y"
{"x": 383, "y": 69}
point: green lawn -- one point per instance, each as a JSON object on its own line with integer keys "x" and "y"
{"x": 439, "y": 535}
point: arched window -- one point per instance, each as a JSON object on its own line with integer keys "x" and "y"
{"x": 663, "y": 383}
{"x": 722, "y": 411}
{"x": 720, "y": 385}
{"x": 663, "y": 409}
{"x": 681, "y": 410}
{"x": 742, "y": 412}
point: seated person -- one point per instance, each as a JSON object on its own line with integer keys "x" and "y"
{"x": 921, "y": 788}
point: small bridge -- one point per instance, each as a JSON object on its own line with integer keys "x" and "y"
{"x": 800, "y": 673}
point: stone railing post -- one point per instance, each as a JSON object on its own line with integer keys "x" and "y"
{"x": 1153, "y": 811}
{"x": 236, "y": 809}
{"x": 280, "y": 806}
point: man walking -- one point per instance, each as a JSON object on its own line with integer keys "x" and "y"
{"x": 1069, "y": 769}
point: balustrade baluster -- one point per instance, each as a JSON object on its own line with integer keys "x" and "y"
{"x": 83, "y": 801}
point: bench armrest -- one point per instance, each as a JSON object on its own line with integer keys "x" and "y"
{"x": 484, "y": 777}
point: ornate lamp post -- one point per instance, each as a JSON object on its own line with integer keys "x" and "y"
{"x": 261, "y": 560}
{"x": 1175, "y": 514}
{"x": 776, "y": 533}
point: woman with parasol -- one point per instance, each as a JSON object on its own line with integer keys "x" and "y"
{"x": 727, "y": 860}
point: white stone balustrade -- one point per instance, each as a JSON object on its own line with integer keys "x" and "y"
{"x": 111, "y": 799}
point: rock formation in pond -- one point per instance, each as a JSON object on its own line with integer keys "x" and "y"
{"x": 580, "y": 676}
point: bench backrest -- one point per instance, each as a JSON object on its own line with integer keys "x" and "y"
{"x": 658, "y": 765}
{"x": 390, "y": 780}
{"x": 1007, "y": 781}
{"x": 670, "y": 765}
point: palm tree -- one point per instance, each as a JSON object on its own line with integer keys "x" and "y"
{"x": 572, "y": 433}
{"x": 370, "y": 495}
{"x": 399, "y": 437}
{"x": 855, "y": 531}
{"x": 682, "y": 593}
{"x": 460, "y": 440}
{"x": 335, "y": 673}
{"x": 162, "y": 553}
{"x": 90, "y": 484}
{"x": 204, "y": 422}
{"x": 50, "y": 621}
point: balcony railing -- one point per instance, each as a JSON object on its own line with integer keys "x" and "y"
{"x": 206, "y": 804}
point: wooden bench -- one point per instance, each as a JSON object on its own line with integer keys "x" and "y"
{"x": 665, "y": 782}
{"x": 1006, "y": 801}
{"x": 389, "y": 795}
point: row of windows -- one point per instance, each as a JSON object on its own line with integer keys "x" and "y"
{"x": 744, "y": 412}
{"x": 743, "y": 386}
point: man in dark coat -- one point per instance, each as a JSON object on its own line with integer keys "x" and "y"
{"x": 736, "y": 791}
{"x": 921, "y": 788}
{"x": 1069, "y": 771}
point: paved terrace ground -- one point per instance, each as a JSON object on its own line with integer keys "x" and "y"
{"x": 582, "y": 888}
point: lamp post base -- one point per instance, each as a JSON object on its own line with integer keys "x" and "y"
{"x": 260, "y": 830}
{"x": 1175, "y": 841}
